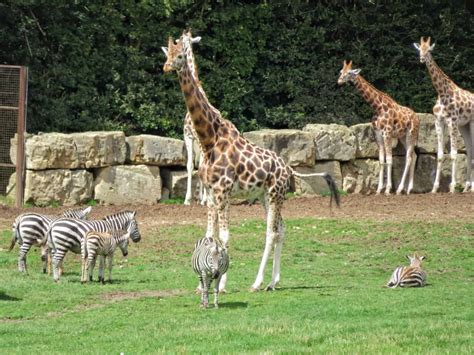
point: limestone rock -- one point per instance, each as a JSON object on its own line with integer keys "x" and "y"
{"x": 360, "y": 176}
{"x": 155, "y": 150}
{"x": 72, "y": 151}
{"x": 176, "y": 182}
{"x": 333, "y": 142}
{"x": 428, "y": 139}
{"x": 316, "y": 184}
{"x": 66, "y": 187}
{"x": 128, "y": 184}
{"x": 294, "y": 146}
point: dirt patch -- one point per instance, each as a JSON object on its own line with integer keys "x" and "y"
{"x": 421, "y": 207}
{"x": 123, "y": 295}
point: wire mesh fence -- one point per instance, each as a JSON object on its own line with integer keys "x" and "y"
{"x": 12, "y": 122}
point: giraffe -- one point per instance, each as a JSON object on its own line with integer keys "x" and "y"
{"x": 189, "y": 137}
{"x": 232, "y": 163}
{"x": 390, "y": 120}
{"x": 454, "y": 108}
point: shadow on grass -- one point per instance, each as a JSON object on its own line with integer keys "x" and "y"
{"x": 309, "y": 288}
{"x": 233, "y": 305}
{"x": 5, "y": 297}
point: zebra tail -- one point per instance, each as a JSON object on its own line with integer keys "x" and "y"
{"x": 15, "y": 235}
{"x": 331, "y": 184}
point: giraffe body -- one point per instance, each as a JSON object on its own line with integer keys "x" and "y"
{"x": 231, "y": 162}
{"x": 454, "y": 109}
{"x": 390, "y": 121}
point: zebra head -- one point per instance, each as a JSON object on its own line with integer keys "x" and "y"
{"x": 415, "y": 260}
{"x": 125, "y": 220}
{"x": 215, "y": 256}
{"x": 77, "y": 213}
{"x": 124, "y": 244}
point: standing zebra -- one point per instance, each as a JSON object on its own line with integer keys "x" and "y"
{"x": 30, "y": 229}
{"x": 210, "y": 261}
{"x": 66, "y": 234}
{"x": 409, "y": 276}
{"x": 102, "y": 244}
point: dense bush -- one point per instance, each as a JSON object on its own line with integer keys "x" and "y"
{"x": 272, "y": 64}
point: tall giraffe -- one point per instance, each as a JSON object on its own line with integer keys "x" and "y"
{"x": 390, "y": 120}
{"x": 455, "y": 108}
{"x": 231, "y": 162}
{"x": 189, "y": 137}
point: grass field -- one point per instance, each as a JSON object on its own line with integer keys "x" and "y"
{"x": 331, "y": 297}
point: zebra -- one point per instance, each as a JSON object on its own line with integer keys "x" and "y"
{"x": 30, "y": 229}
{"x": 210, "y": 261}
{"x": 66, "y": 234}
{"x": 102, "y": 244}
{"x": 409, "y": 276}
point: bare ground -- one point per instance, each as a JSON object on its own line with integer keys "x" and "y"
{"x": 422, "y": 207}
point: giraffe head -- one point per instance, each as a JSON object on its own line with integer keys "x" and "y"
{"x": 347, "y": 73}
{"x": 176, "y": 51}
{"x": 415, "y": 260}
{"x": 424, "y": 48}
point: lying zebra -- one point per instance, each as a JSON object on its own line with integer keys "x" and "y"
{"x": 30, "y": 229}
{"x": 210, "y": 261}
{"x": 102, "y": 244}
{"x": 409, "y": 276}
{"x": 66, "y": 234}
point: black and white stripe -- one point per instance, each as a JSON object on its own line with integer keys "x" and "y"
{"x": 210, "y": 261}
{"x": 66, "y": 234}
{"x": 101, "y": 244}
{"x": 30, "y": 229}
{"x": 409, "y": 276}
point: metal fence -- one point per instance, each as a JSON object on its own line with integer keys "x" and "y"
{"x": 13, "y": 98}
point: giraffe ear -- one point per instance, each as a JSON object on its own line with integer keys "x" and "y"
{"x": 356, "y": 71}
{"x": 196, "y": 39}
{"x": 165, "y": 50}
{"x": 417, "y": 46}
{"x": 432, "y": 46}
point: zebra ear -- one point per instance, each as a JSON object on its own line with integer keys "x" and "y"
{"x": 87, "y": 210}
{"x": 408, "y": 257}
{"x": 134, "y": 214}
{"x": 422, "y": 258}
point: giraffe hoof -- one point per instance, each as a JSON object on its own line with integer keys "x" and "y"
{"x": 270, "y": 288}
{"x": 197, "y": 291}
{"x": 254, "y": 289}
{"x": 223, "y": 291}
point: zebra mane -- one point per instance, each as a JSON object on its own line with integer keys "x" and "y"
{"x": 128, "y": 215}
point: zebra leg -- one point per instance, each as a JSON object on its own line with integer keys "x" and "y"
{"x": 24, "y": 248}
{"x": 91, "y": 264}
{"x": 102, "y": 269}
{"x": 216, "y": 291}
{"x": 202, "y": 287}
{"x": 83, "y": 270}
{"x": 58, "y": 258}
{"x": 207, "y": 286}
{"x": 110, "y": 259}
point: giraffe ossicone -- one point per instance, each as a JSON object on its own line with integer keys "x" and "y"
{"x": 231, "y": 162}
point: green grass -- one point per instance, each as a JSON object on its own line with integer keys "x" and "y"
{"x": 331, "y": 297}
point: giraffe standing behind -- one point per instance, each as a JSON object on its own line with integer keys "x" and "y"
{"x": 454, "y": 108}
{"x": 231, "y": 163}
{"x": 390, "y": 120}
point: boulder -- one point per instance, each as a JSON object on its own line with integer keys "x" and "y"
{"x": 294, "y": 146}
{"x": 175, "y": 181}
{"x": 316, "y": 185}
{"x": 155, "y": 150}
{"x": 72, "y": 151}
{"x": 366, "y": 146}
{"x": 63, "y": 186}
{"x": 428, "y": 139}
{"x": 128, "y": 184}
{"x": 333, "y": 142}
{"x": 360, "y": 176}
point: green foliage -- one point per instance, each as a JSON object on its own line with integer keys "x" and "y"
{"x": 262, "y": 64}
{"x": 331, "y": 298}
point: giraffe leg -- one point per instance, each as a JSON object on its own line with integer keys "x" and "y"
{"x": 277, "y": 253}
{"x": 466, "y": 132}
{"x": 409, "y": 146}
{"x": 272, "y": 230}
{"x": 188, "y": 142}
{"x": 202, "y": 189}
{"x": 387, "y": 139}
{"x": 439, "y": 125}
{"x": 453, "y": 133}
{"x": 223, "y": 216}
{"x": 380, "y": 144}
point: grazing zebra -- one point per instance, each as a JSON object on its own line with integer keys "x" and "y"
{"x": 66, "y": 234}
{"x": 409, "y": 276}
{"x": 210, "y": 261}
{"x": 30, "y": 229}
{"x": 101, "y": 244}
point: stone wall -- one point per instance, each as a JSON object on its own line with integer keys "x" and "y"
{"x": 113, "y": 169}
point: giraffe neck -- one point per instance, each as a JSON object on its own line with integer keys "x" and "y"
{"x": 374, "y": 97}
{"x": 205, "y": 118}
{"x": 440, "y": 80}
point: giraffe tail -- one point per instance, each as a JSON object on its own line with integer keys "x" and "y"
{"x": 331, "y": 184}
{"x": 417, "y": 153}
